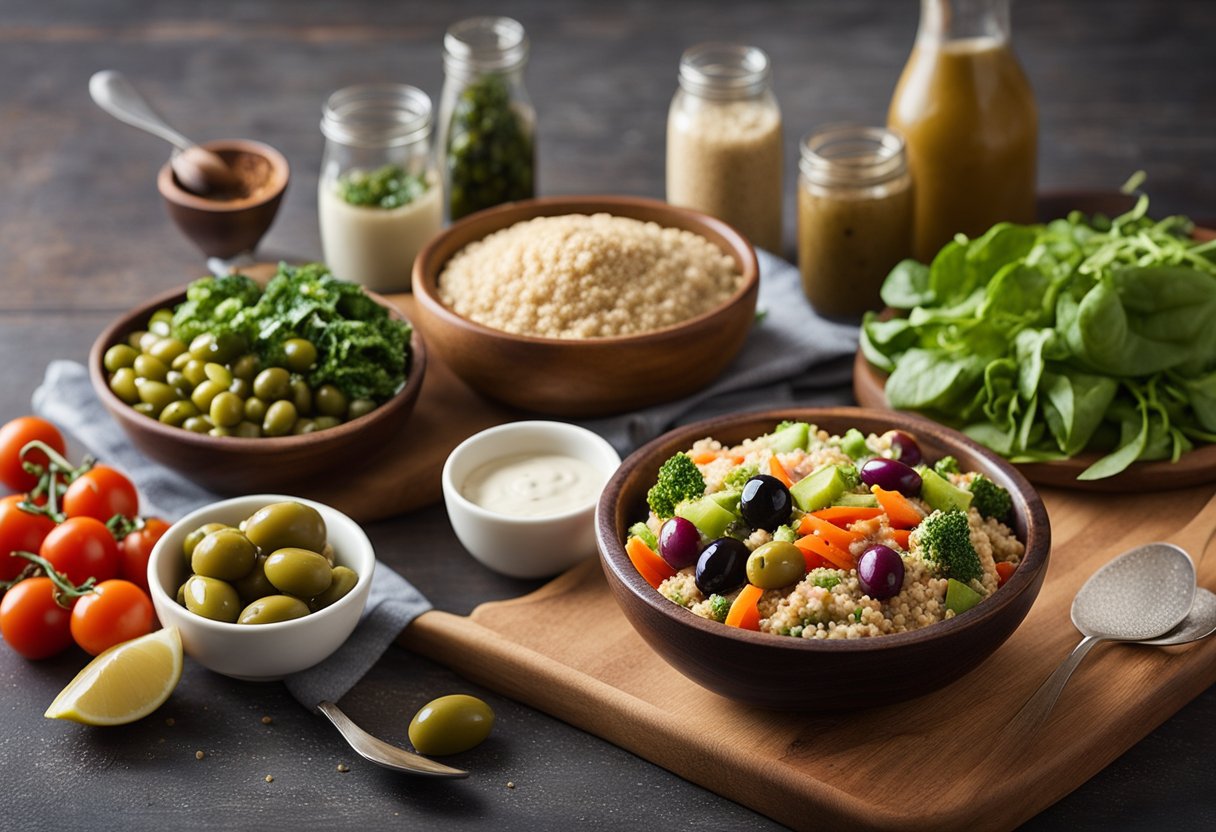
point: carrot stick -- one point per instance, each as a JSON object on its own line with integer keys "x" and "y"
{"x": 845, "y": 516}
{"x": 1004, "y": 571}
{"x": 833, "y": 534}
{"x": 706, "y": 457}
{"x": 834, "y": 555}
{"x": 744, "y": 610}
{"x": 901, "y": 513}
{"x": 901, "y": 537}
{"x": 648, "y": 563}
{"x": 778, "y": 470}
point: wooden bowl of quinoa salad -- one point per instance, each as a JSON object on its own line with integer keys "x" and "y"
{"x": 587, "y": 306}
{"x": 846, "y": 666}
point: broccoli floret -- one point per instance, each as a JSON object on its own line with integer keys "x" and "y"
{"x": 643, "y": 531}
{"x": 850, "y": 475}
{"x": 719, "y": 606}
{"x": 946, "y": 465}
{"x": 786, "y": 534}
{"x": 679, "y": 479}
{"x": 783, "y": 425}
{"x": 736, "y": 479}
{"x": 824, "y": 578}
{"x": 989, "y": 498}
{"x": 945, "y": 539}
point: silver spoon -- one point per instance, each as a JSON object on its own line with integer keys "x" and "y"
{"x": 1199, "y": 623}
{"x": 199, "y": 170}
{"x": 382, "y": 753}
{"x": 1142, "y": 594}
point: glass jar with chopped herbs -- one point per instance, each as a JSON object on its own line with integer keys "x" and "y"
{"x": 486, "y": 122}
{"x": 380, "y": 196}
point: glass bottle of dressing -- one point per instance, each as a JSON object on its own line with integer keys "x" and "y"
{"x": 724, "y": 140}
{"x": 487, "y": 124}
{"x": 854, "y": 216}
{"x": 379, "y": 196}
{"x": 968, "y": 116}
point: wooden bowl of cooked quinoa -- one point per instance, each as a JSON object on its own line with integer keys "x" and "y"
{"x": 587, "y": 306}
{"x": 842, "y": 666}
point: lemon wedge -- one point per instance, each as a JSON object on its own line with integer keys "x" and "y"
{"x": 123, "y": 684}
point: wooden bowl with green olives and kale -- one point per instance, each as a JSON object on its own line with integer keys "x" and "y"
{"x": 241, "y": 386}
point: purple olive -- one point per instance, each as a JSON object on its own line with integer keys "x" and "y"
{"x": 679, "y": 543}
{"x": 880, "y": 571}
{"x": 892, "y": 475}
{"x": 905, "y": 447}
{"x": 722, "y": 567}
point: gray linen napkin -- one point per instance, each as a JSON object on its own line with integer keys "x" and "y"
{"x": 793, "y": 357}
{"x": 67, "y": 399}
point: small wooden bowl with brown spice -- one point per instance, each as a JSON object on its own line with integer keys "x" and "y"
{"x": 586, "y": 377}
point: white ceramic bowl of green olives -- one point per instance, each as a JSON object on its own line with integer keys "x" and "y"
{"x": 264, "y": 648}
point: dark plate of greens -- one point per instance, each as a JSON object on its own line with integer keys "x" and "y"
{"x": 1082, "y": 349}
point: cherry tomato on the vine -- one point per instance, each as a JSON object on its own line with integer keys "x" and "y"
{"x": 114, "y": 612}
{"x": 100, "y": 493}
{"x": 20, "y": 531}
{"x": 16, "y": 435}
{"x": 82, "y": 548}
{"x": 32, "y": 623}
{"x": 136, "y": 548}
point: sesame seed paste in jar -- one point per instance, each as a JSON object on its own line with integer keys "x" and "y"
{"x": 533, "y": 485}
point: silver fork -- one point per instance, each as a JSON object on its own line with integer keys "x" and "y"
{"x": 376, "y": 750}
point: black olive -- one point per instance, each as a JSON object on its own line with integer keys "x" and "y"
{"x": 722, "y": 566}
{"x": 766, "y": 502}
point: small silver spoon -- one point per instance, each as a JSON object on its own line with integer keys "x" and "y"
{"x": 1199, "y": 623}
{"x": 199, "y": 170}
{"x": 382, "y": 753}
{"x": 1142, "y": 594}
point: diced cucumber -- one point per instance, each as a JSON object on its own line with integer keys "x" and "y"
{"x": 940, "y": 493}
{"x": 710, "y": 518}
{"x": 729, "y": 500}
{"x": 643, "y": 531}
{"x": 854, "y": 444}
{"x": 857, "y": 501}
{"x": 820, "y": 488}
{"x": 792, "y": 437}
{"x": 960, "y": 597}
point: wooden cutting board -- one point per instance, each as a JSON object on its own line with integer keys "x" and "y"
{"x": 937, "y": 762}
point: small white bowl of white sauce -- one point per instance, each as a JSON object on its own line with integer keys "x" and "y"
{"x": 521, "y": 496}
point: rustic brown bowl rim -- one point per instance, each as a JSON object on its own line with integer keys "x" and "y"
{"x": 280, "y": 173}
{"x": 262, "y": 446}
{"x": 427, "y": 266}
{"x": 1037, "y": 543}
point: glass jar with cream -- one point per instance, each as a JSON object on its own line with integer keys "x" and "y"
{"x": 379, "y": 199}
{"x": 854, "y": 216}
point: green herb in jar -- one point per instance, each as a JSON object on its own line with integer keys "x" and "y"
{"x": 390, "y": 186}
{"x": 489, "y": 149}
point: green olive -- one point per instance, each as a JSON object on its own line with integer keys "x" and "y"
{"x": 286, "y": 525}
{"x": 330, "y": 401}
{"x": 212, "y": 598}
{"x": 176, "y": 413}
{"x": 272, "y": 384}
{"x": 299, "y": 572}
{"x": 775, "y": 564}
{"x": 156, "y": 393}
{"x": 219, "y": 349}
{"x": 220, "y": 430}
{"x": 119, "y": 356}
{"x": 198, "y": 424}
{"x": 326, "y": 422}
{"x": 241, "y": 387}
{"x": 194, "y": 372}
{"x": 303, "y": 426}
{"x": 280, "y": 417}
{"x": 246, "y": 366}
{"x": 255, "y": 585}
{"x": 123, "y": 385}
{"x": 299, "y": 354}
{"x": 178, "y": 382}
{"x": 247, "y": 430}
{"x": 343, "y": 581}
{"x": 192, "y": 539}
{"x": 218, "y": 373}
{"x": 181, "y": 361}
{"x": 225, "y": 554}
{"x": 161, "y": 321}
{"x": 147, "y": 366}
{"x": 226, "y": 410}
{"x": 146, "y": 341}
{"x": 255, "y": 409}
{"x": 145, "y": 409}
{"x": 181, "y": 595}
{"x": 200, "y": 347}
{"x": 167, "y": 350}
{"x": 273, "y": 608}
{"x": 133, "y": 338}
{"x": 451, "y": 724}
{"x": 301, "y": 396}
{"x": 328, "y": 551}
{"x": 359, "y": 407}
{"x": 205, "y": 393}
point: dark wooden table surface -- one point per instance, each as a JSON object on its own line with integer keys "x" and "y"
{"x": 1121, "y": 85}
